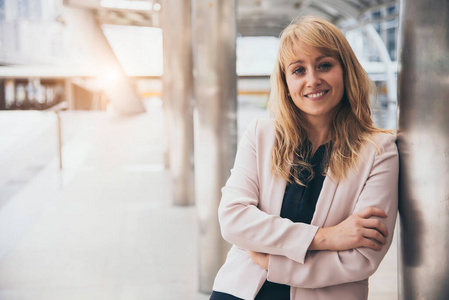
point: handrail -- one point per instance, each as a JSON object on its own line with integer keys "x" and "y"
{"x": 57, "y": 109}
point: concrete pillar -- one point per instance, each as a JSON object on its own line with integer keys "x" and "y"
{"x": 215, "y": 124}
{"x": 423, "y": 142}
{"x": 177, "y": 96}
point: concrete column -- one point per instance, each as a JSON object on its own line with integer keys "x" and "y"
{"x": 177, "y": 96}
{"x": 423, "y": 142}
{"x": 215, "y": 124}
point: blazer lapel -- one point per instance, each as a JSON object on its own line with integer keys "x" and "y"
{"x": 277, "y": 192}
{"x": 324, "y": 200}
{"x": 278, "y": 185}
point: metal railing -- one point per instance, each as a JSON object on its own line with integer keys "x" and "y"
{"x": 57, "y": 109}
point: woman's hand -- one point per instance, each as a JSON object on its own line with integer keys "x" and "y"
{"x": 358, "y": 230}
{"x": 260, "y": 259}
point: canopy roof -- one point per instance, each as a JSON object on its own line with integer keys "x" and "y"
{"x": 269, "y": 17}
{"x": 254, "y": 17}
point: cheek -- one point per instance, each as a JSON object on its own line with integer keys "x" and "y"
{"x": 339, "y": 84}
{"x": 292, "y": 86}
{"x": 342, "y": 88}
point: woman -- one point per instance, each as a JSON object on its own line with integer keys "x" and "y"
{"x": 311, "y": 202}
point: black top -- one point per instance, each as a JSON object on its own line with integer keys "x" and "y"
{"x": 298, "y": 205}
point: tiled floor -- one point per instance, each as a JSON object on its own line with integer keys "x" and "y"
{"x": 103, "y": 227}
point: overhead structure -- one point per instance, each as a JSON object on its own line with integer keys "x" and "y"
{"x": 270, "y": 17}
{"x": 254, "y": 17}
{"x": 122, "y": 12}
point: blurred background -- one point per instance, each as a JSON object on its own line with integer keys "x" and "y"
{"x": 119, "y": 121}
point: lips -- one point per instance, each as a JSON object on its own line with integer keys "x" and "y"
{"x": 317, "y": 95}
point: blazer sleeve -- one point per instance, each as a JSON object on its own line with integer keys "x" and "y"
{"x": 243, "y": 224}
{"x": 325, "y": 268}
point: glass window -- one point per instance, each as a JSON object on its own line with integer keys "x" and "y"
{"x": 256, "y": 55}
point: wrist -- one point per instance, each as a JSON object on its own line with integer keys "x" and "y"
{"x": 320, "y": 241}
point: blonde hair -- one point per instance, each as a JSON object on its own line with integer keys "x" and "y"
{"x": 352, "y": 124}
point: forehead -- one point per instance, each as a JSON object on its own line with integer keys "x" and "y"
{"x": 294, "y": 50}
{"x": 303, "y": 52}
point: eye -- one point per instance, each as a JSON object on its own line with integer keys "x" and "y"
{"x": 298, "y": 71}
{"x": 325, "y": 66}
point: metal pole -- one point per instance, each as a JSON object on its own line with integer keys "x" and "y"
{"x": 215, "y": 124}
{"x": 423, "y": 143}
{"x": 177, "y": 96}
{"x": 58, "y": 121}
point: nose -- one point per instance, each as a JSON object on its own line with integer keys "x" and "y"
{"x": 313, "y": 79}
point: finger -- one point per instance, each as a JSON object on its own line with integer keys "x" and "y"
{"x": 367, "y": 243}
{"x": 377, "y": 225}
{"x": 252, "y": 254}
{"x": 372, "y": 212}
{"x": 374, "y": 235}
{"x": 255, "y": 255}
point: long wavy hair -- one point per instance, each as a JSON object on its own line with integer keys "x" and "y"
{"x": 351, "y": 125}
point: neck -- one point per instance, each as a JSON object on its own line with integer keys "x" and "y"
{"x": 318, "y": 134}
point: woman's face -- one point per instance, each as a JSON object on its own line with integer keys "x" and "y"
{"x": 315, "y": 83}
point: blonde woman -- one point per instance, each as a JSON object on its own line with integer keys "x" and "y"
{"x": 311, "y": 202}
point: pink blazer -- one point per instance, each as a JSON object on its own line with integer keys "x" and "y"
{"x": 249, "y": 219}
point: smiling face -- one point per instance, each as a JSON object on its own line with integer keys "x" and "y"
{"x": 315, "y": 83}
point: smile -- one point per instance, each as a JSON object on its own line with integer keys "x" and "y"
{"x": 316, "y": 95}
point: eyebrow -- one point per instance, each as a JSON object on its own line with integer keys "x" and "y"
{"x": 317, "y": 59}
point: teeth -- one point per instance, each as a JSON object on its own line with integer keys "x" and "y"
{"x": 315, "y": 95}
